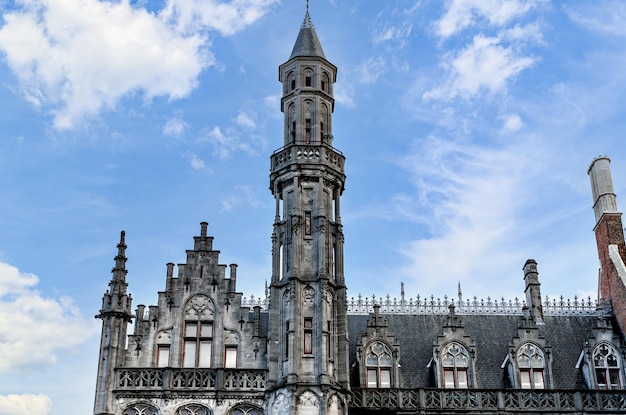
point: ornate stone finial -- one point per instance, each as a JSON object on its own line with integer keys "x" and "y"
{"x": 203, "y": 228}
{"x": 307, "y": 6}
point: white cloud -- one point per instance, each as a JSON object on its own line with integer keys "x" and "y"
{"x": 245, "y": 119}
{"x": 485, "y": 64}
{"x": 472, "y": 199}
{"x": 370, "y": 70}
{"x": 191, "y": 16}
{"x": 461, "y": 14}
{"x": 391, "y": 33}
{"x": 512, "y": 122}
{"x": 25, "y": 405}
{"x": 34, "y": 328}
{"x": 175, "y": 127}
{"x": 76, "y": 58}
{"x": 607, "y": 17}
{"x": 196, "y": 162}
{"x": 244, "y": 196}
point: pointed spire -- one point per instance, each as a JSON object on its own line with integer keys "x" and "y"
{"x": 119, "y": 271}
{"x": 307, "y": 43}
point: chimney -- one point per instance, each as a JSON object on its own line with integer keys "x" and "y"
{"x": 609, "y": 238}
{"x": 532, "y": 291}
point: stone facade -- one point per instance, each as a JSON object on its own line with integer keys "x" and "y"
{"x": 306, "y": 349}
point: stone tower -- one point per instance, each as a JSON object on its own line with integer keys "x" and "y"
{"x": 115, "y": 315}
{"x": 308, "y": 339}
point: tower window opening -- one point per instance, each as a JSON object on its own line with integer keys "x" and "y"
{"x": 307, "y": 130}
{"x": 308, "y": 81}
{"x": 308, "y": 335}
{"x": 293, "y": 132}
{"x": 307, "y": 223}
{"x": 333, "y": 263}
{"x": 286, "y": 340}
{"x": 281, "y": 261}
{"x": 322, "y": 132}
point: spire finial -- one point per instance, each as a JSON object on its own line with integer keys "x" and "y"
{"x": 307, "y": 6}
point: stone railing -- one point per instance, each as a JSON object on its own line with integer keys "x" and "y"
{"x": 306, "y": 153}
{"x": 432, "y": 305}
{"x": 178, "y": 379}
{"x": 255, "y": 302}
{"x": 433, "y": 401}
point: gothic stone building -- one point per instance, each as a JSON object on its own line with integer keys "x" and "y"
{"x": 306, "y": 350}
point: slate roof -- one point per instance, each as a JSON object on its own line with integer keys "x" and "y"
{"x": 491, "y": 334}
{"x": 307, "y": 43}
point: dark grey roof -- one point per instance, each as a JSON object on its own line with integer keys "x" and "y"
{"x": 307, "y": 43}
{"x": 491, "y": 334}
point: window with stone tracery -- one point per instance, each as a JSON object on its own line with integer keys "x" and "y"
{"x": 246, "y": 410}
{"x": 378, "y": 365}
{"x": 198, "y": 332}
{"x": 607, "y": 366}
{"x": 531, "y": 365}
{"x": 193, "y": 409}
{"x": 140, "y": 409}
{"x": 455, "y": 362}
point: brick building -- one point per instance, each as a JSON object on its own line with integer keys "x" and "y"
{"x": 305, "y": 349}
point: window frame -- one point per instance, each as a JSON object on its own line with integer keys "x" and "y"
{"x": 199, "y": 343}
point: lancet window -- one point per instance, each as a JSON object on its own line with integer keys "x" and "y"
{"x": 455, "y": 360}
{"x": 531, "y": 365}
{"x": 607, "y": 367}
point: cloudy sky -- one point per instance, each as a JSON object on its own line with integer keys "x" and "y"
{"x": 468, "y": 127}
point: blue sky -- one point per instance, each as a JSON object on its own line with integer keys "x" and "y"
{"x": 468, "y": 127}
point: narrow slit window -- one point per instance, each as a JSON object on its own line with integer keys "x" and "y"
{"x": 308, "y": 336}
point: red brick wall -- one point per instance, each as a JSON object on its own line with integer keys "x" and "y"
{"x": 609, "y": 231}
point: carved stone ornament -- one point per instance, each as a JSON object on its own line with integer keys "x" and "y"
{"x": 308, "y": 398}
{"x": 200, "y": 307}
{"x": 281, "y": 404}
{"x": 308, "y": 295}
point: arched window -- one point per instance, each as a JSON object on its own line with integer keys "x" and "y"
{"x": 193, "y": 409}
{"x": 246, "y": 410}
{"x": 198, "y": 332}
{"x": 325, "y": 82}
{"x": 607, "y": 365}
{"x": 531, "y": 364}
{"x": 308, "y": 77}
{"x": 140, "y": 409}
{"x": 378, "y": 365}
{"x": 291, "y": 82}
{"x": 455, "y": 362}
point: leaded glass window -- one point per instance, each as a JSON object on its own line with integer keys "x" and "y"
{"x": 378, "y": 363}
{"x": 531, "y": 364}
{"x": 607, "y": 365}
{"x": 455, "y": 362}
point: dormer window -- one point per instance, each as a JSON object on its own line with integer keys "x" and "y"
{"x": 531, "y": 364}
{"x": 455, "y": 362}
{"x": 378, "y": 362}
{"x": 607, "y": 365}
